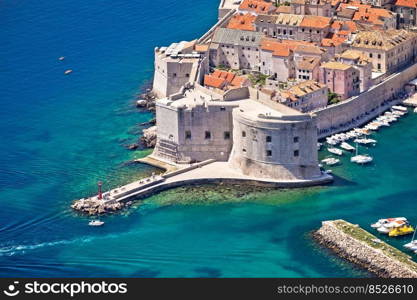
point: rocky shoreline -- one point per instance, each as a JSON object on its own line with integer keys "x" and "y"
{"x": 365, "y": 250}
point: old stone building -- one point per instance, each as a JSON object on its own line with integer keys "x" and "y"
{"x": 305, "y": 96}
{"x": 362, "y": 63}
{"x": 388, "y": 50}
{"x": 340, "y": 78}
{"x": 236, "y": 49}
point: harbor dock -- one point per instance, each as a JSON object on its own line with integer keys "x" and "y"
{"x": 360, "y": 247}
{"x": 205, "y": 172}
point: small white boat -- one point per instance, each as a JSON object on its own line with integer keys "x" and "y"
{"x": 365, "y": 141}
{"x": 415, "y": 110}
{"x": 382, "y": 222}
{"x": 400, "y": 108}
{"x": 95, "y": 223}
{"x": 347, "y": 147}
{"x": 335, "y": 151}
{"x": 361, "y": 159}
{"x": 386, "y": 228}
{"x": 331, "y": 161}
{"x": 61, "y": 58}
{"x": 411, "y": 245}
{"x": 68, "y": 72}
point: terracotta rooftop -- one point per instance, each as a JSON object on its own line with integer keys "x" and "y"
{"x": 242, "y": 22}
{"x": 277, "y": 48}
{"x": 258, "y": 6}
{"x": 383, "y": 40}
{"x": 284, "y": 9}
{"x": 301, "y": 89}
{"x": 289, "y": 19}
{"x": 357, "y": 55}
{"x": 307, "y": 63}
{"x": 285, "y": 47}
{"x": 315, "y": 21}
{"x": 201, "y": 48}
{"x": 223, "y": 79}
{"x": 406, "y": 3}
{"x": 335, "y": 65}
{"x": 270, "y": 19}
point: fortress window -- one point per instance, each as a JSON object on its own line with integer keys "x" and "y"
{"x": 268, "y": 153}
{"x": 243, "y": 150}
{"x": 187, "y": 75}
{"x": 175, "y": 74}
{"x": 227, "y": 135}
{"x": 296, "y": 139}
{"x": 222, "y": 108}
{"x": 296, "y": 153}
{"x": 243, "y": 133}
{"x": 207, "y": 135}
{"x": 188, "y": 135}
{"x": 268, "y": 139}
{"x": 379, "y": 55}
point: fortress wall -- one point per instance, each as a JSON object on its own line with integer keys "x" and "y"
{"x": 364, "y": 107}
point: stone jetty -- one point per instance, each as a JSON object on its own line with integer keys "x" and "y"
{"x": 355, "y": 244}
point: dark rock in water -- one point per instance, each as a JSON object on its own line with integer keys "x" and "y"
{"x": 149, "y": 137}
{"x": 151, "y": 122}
{"x": 132, "y": 146}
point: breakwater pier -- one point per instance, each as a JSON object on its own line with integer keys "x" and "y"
{"x": 358, "y": 246}
{"x": 209, "y": 171}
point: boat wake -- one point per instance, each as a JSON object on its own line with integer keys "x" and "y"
{"x": 22, "y": 249}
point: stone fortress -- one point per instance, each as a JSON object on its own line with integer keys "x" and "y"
{"x": 253, "y": 92}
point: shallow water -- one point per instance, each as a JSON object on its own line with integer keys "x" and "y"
{"x": 61, "y": 134}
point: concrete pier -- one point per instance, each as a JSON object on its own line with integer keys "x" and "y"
{"x": 205, "y": 172}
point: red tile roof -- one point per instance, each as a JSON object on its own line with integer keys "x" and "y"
{"x": 315, "y": 21}
{"x": 222, "y": 79}
{"x": 242, "y": 22}
{"x": 407, "y": 3}
{"x": 258, "y": 6}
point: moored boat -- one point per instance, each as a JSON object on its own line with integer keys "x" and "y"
{"x": 347, "y": 146}
{"x": 95, "y": 223}
{"x": 335, "y": 151}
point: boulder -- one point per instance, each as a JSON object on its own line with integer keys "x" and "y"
{"x": 149, "y": 137}
{"x": 141, "y": 103}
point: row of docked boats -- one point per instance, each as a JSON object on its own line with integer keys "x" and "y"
{"x": 360, "y": 136}
{"x": 396, "y": 227}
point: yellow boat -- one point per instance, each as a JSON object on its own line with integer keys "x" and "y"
{"x": 403, "y": 230}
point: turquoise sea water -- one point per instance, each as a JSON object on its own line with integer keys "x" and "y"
{"x": 61, "y": 134}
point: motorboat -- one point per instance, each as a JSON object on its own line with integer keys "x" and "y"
{"x": 411, "y": 245}
{"x": 415, "y": 110}
{"x": 67, "y": 72}
{"x": 347, "y": 146}
{"x": 95, "y": 223}
{"x": 361, "y": 159}
{"x": 365, "y": 141}
{"x": 382, "y": 222}
{"x": 401, "y": 230}
{"x": 61, "y": 58}
{"x": 400, "y": 108}
{"x": 335, "y": 151}
{"x": 386, "y": 228}
{"x": 331, "y": 161}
